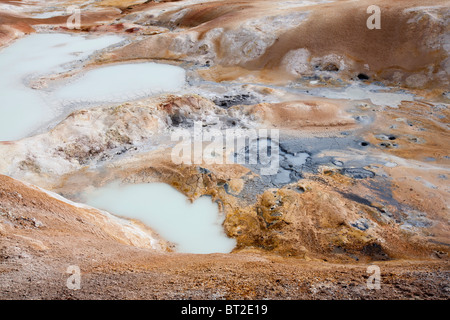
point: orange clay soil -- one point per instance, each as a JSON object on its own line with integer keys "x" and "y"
{"x": 37, "y": 246}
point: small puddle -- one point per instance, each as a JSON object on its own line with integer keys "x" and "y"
{"x": 377, "y": 95}
{"x": 193, "y": 227}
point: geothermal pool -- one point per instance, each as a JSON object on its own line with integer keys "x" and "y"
{"x": 194, "y": 227}
{"x": 24, "y": 110}
{"x": 122, "y": 82}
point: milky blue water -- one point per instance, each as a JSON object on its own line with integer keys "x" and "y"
{"x": 123, "y": 82}
{"x": 24, "y": 110}
{"x": 194, "y": 227}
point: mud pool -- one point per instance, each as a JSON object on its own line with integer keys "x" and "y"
{"x": 193, "y": 227}
{"x": 26, "y": 109}
{"x": 123, "y": 82}
{"x": 22, "y": 109}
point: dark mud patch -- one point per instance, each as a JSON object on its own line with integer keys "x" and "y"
{"x": 375, "y": 251}
{"x": 228, "y": 101}
{"x": 356, "y": 198}
{"x": 357, "y": 173}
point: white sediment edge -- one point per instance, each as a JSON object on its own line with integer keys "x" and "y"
{"x": 127, "y": 225}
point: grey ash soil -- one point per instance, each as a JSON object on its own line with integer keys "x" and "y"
{"x": 291, "y": 149}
